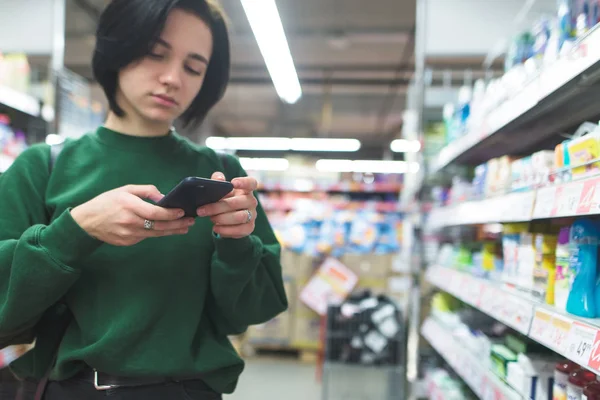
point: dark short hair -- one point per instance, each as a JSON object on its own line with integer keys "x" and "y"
{"x": 127, "y": 31}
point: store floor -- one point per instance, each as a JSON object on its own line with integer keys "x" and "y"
{"x": 276, "y": 379}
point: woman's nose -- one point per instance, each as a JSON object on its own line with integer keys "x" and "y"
{"x": 171, "y": 76}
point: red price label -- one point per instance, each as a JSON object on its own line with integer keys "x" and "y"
{"x": 594, "y": 362}
{"x": 588, "y": 197}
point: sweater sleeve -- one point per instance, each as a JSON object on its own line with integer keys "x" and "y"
{"x": 246, "y": 282}
{"x": 38, "y": 260}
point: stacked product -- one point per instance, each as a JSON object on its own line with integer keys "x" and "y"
{"x": 526, "y": 366}
{"x": 576, "y": 158}
{"x": 551, "y": 37}
{"x": 555, "y": 264}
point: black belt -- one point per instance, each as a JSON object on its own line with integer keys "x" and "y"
{"x": 102, "y": 381}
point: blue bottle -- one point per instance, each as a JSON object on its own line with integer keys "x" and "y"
{"x": 583, "y": 249}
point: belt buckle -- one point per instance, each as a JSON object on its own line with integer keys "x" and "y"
{"x": 102, "y": 387}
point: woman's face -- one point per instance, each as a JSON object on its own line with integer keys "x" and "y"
{"x": 161, "y": 86}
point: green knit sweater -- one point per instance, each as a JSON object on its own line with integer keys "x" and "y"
{"x": 163, "y": 307}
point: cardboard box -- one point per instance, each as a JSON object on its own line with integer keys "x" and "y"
{"x": 296, "y": 265}
{"x": 376, "y": 285}
{"x": 306, "y": 328}
{"x": 369, "y": 265}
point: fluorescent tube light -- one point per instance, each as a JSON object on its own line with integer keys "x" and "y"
{"x": 323, "y": 144}
{"x": 367, "y": 166}
{"x": 248, "y": 143}
{"x": 405, "y": 146}
{"x": 265, "y": 22}
{"x": 283, "y": 144}
{"x": 264, "y": 164}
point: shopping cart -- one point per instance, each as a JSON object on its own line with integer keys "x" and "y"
{"x": 365, "y": 342}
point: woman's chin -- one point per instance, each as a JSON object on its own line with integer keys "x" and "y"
{"x": 160, "y": 116}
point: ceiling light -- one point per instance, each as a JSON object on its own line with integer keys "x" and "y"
{"x": 264, "y": 164}
{"x": 367, "y": 166}
{"x": 248, "y": 143}
{"x": 323, "y": 144}
{"x": 266, "y": 24}
{"x": 405, "y": 146}
{"x": 283, "y": 144}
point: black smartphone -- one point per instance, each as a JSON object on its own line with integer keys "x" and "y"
{"x": 193, "y": 192}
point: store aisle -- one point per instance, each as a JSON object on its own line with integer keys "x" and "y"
{"x": 274, "y": 379}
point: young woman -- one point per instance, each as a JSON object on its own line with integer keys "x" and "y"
{"x": 153, "y": 296}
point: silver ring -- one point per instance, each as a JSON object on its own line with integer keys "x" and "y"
{"x": 148, "y": 225}
{"x": 249, "y": 216}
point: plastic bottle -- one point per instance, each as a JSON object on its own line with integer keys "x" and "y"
{"x": 577, "y": 381}
{"x": 583, "y": 249}
{"x": 591, "y": 391}
{"x": 562, "y": 282}
{"x": 561, "y": 379}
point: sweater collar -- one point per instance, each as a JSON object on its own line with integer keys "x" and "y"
{"x": 139, "y": 143}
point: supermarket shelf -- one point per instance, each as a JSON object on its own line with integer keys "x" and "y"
{"x": 572, "y": 199}
{"x": 577, "y": 339}
{"x": 514, "y": 207}
{"x": 346, "y": 187}
{"x": 382, "y": 207}
{"x": 469, "y": 367}
{"x": 20, "y": 101}
{"x": 556, "y": 99}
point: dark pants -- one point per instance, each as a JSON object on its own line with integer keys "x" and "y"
{"x": 76, "y": 389}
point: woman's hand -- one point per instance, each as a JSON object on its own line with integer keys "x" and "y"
{"x": 234, "y": 215}
{"x": 118, "y": 217}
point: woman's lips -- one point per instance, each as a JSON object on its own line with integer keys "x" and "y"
{"x": 164, "y": 100}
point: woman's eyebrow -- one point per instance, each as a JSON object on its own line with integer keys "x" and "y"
{"x": 195, "y": 56}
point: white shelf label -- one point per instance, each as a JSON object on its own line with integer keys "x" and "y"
{"x": 580, "y": 342}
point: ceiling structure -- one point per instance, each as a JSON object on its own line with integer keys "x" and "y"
{"x": 355, "y": 62}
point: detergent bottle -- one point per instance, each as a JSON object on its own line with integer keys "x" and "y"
{"x": 583, "y": 252}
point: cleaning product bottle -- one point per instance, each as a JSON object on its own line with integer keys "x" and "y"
{"x": 577, "y": 381}
{"x": 591, "y": 391}
{"x": 583, "y": 249}
{"x": 561, "y": 379}
{"x": 562, "y": 281}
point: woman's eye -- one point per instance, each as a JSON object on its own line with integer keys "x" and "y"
{"x": 156, "y": 56}
{"x": 193, "y": 71}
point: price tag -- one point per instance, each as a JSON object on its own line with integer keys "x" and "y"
{"x": 569, "y": 199}
{"x": 588, "y": 203}
{"x": 473, "y": 292}
{"x": 595, "y": 356}
{"x": 541, "y": 326}
{"x": 544, "y": 202}
{"x": 559, "y": 332}
{"x": 580, "y": 342}
{"x": 454, "y": 284}
{"x": 521, "y": 319}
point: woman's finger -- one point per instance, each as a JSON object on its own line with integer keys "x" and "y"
{"x": 234, "y": 218}
{"x": 247, "y": 184}
{"x": 235, "y": 203}
{"x": 183, "y": 223}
